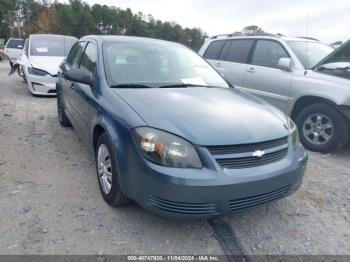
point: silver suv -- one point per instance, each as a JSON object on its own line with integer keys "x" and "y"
{"x": 303, "y": 77}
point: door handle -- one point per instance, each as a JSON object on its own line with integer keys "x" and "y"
{"x": 218, "y": 65}
{"x": 251, "y": 70}
{"x": 72, "y": 85}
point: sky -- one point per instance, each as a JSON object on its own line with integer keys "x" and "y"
{"x": 327, "y": 20}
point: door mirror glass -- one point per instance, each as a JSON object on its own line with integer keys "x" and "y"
{"x": 285, "y": 64}
{"x": 80, "y": 76}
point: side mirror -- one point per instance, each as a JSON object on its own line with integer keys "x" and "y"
{"x": 80, "y": 76}
{"x": 285, "y": 64}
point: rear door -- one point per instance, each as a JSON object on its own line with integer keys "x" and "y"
{"x": 14, "y": 49}
{"x": 229, "y": 57}
{"x": 234, "y": 58}
{"x": 263, "y": 78}
{"x": 212, "y": 54}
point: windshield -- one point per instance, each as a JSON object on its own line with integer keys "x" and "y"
{"x": 155, "y": 64}
{"x": 310, "y": 53}
{"x": 51, "y": 46}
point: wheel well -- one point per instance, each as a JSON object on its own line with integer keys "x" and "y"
{"x": 305, "y": 101}
{"x": 98, "y": 130}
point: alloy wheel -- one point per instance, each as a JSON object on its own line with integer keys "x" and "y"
{"x": 318, "y": 129}
{"x": 104, "y": 167}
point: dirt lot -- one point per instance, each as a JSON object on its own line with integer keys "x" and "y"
{"x": 50, "y": 201}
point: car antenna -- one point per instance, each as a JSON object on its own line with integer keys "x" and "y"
{"x": 307, "y": 35}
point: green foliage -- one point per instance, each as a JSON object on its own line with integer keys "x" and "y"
{"x": 77, "y": 18}
{"x": 6, "y": 10}
{"x": 249, "y": 30}
{"x": 337, "y": 43}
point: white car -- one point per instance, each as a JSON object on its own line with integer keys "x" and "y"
{"x": 13, "y": 49}
{"x": 41, "y": 57}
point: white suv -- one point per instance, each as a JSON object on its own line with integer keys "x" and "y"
{"x": 303, "y": 77}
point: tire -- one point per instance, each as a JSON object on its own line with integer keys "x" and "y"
{"x": 114, "y": 197}
{"x": 322, "y": 128}
{"x": 62, "y": 117}
{"x": 22, "y": 74}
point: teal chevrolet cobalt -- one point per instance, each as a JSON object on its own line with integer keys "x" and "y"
{"x": 171, "y": 134}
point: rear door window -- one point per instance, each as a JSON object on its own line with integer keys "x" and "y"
{"x": 214, "y": 49}
{"x": 239, "y": 50}
{"x": 15, "y": 43}
{"x": 267, "y": 53}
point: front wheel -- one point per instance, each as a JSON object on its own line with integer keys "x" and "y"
{"x": 322, "y": 128}
{"x": 107, "y": 172}
{"x": 62, "y": 118}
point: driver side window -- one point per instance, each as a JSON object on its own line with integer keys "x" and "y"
{"x": 268, "y": 53}
{"x": 74, "y": 54}
{"x": 89, "y": 58}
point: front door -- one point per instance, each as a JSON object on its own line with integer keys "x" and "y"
{"x": 263, "y": 78}
{"x": 67, "y": 86}
{"x": 83, "y": 92}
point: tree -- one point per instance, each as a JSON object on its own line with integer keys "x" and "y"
{"x": 77, "y": 18}
{"x": 252, "y": 30}
{"x": 337, "y": 43}
{"x": 6, "y": 17}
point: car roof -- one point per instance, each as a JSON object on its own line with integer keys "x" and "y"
{"x": 136, "y": 39}
{"x": 14, "y": 39}
{"x": 263, "y": 36}
{"x": 51, "y": 36}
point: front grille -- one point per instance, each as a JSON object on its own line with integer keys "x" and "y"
{"x": 182, "y": 208}
{"x": 242, "y": 156}
{"x": 252, "y": 161}
{"x": 243, "y": 203}
{"x": 216, "y": 150}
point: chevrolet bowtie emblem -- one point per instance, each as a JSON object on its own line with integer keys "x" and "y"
{"x": 258, "y": 153}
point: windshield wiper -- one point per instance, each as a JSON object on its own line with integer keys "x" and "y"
{"x": 323, "y": 68}
{"x": 183, "y": 86}
{"x": 130, "y": 86}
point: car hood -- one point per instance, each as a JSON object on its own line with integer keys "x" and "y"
{"x": 207, "y": 116}
{"x": 340, "y": 54}
{"x": 332, "y": 77}
{"x": 341, "y": 69}
{"x": 49, "y": 64}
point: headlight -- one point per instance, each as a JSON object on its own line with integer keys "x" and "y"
{"x": 165, "y": 149}
{"x": 37, "y": 72}
{"x": 294, "y": 133}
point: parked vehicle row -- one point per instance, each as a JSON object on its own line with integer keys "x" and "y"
{"x": 169, "y": 130}
{"x": 304, "y": 78}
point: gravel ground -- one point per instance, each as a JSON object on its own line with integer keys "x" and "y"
{"x": 50, "y": 201}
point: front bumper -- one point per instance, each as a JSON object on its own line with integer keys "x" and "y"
{"x": 41, "y": 85}
{"x": 213, "y": 191}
